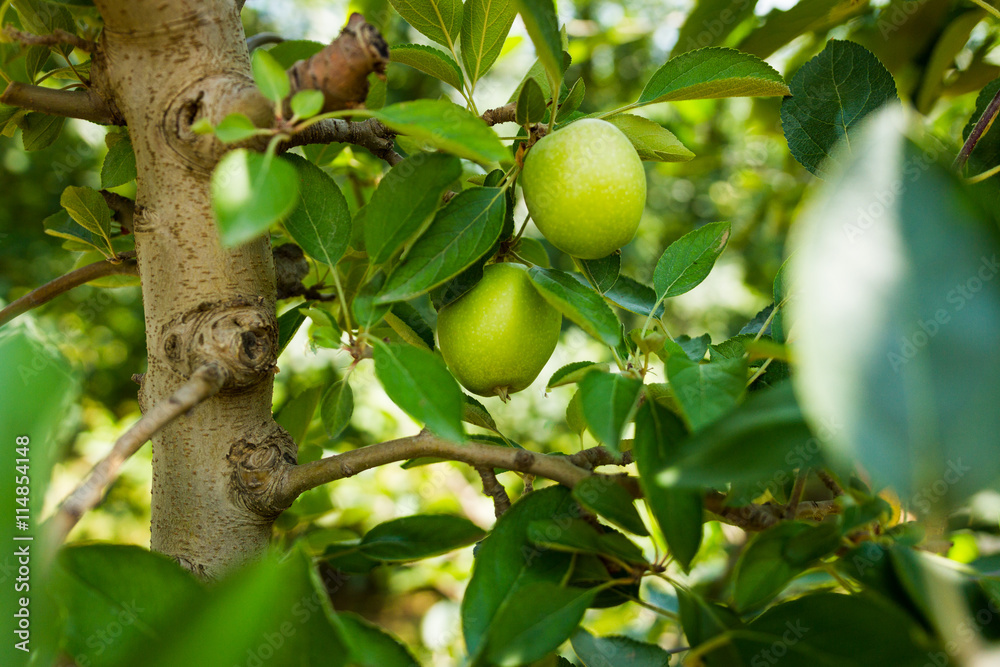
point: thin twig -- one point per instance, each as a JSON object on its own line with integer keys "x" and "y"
{"x": 494, "y": 489}
{"x": 504, "y": 114}
{"x": 792, "y": 508}
{"x": 56, "y": 38}
{"x": 370, "y": 134}
{"x": 830, "y": 483}
{"x": 123, "y": 208}
{"x": 262, "y": 38}
{"x": 83, "y": 104}
{"x": 982, "y": 125}
{"x": 125, "y": 266}
{"x": 203, "y": 384}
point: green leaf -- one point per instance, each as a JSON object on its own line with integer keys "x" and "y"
{"x": 542, "y": 23}
{"x": 419, "y": 536}
{"x": 781, "y": 26}
{"x": 418, "y": 381}
{"x": 531, "y": 104}
{"x": 62, "y": 226}
{"x": 687, "y": 261}
{"x": 542, "y": 617}
{"x": 88, "y": 208}
{"x": 579, "y": 536}
{"x": 321, "y": 223}
{"x": 573, "y": 99}
{"x": 634, "y": 297}
{"x": 370, "y": 645}
{"x": 602, "y": 273}
{"x": 760, "y": 442}
{"x": 475, "y": 413}
{"x": 299, "y": 631}
{"x": 406, "y": 321}
{"x": 291, "y": 51}
{"x": 606, "y": 497}
{"x": 270, "y": 76}
{"x": 484, "y": 28}
{"x": 624, "y": 651}
{"x": 462, "y": 232}
{"x": 297, "y": 413}
{"x": 658, "y": 436}
{"x": 761, "y": 571}
{"x": 651, "y": 140}
{"x": 119, "y": 163}
{"x": 407, "y": 195}
{"x": 430, "y": 61}
{"x": 712, "y": 73}
{"x": 250, "y": 192}
{"x": 609, "y": 401}
{"x": 39, "y": 130}
{"x": 706, "y": 391}
{"x": 337, "y": 408}
{"x": 235, "y": 127}
{"x": 575, "y": 420}
{"x": 136, "y": 592}
{"x": 440, "y": 20}
{"x": 577, "y": 302}
{"x": 446, "y": 126}
{"x": 711, "y": 22}
{"x": 813, "y": 628}
{"x": 506, "y": 562}
{"x": 573, "y": 373}
{"x": 307, "y": 103}
{"x": 901, "y": 385}
{"x": 831, "y": 94}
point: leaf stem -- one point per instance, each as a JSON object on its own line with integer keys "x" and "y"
{"x": 981, "y": 128}
{"x": 344, "y": 308}
{"x": 988, "y": 7}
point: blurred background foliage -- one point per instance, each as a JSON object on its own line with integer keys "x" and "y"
{"x": 940, "y": 52}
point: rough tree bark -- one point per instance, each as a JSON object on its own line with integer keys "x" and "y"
{"x": 165, "y": 65}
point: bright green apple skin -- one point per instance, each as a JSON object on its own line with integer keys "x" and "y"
{"x": 497, "y": 337}
{"x": 585, "y": 188}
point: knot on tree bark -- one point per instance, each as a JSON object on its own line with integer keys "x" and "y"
{"x": 258, "y": 473}
{"x": 239, "y": 335}
{"x": 212, "y": 97}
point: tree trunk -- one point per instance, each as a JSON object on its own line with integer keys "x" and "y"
{"x": 166, "y": 65}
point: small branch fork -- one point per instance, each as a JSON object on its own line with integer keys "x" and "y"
{"x": 203, "y": 384}
{"x": 124, "y": 265}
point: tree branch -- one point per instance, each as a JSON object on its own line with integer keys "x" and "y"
{"x": 123, "y": 208}
{"x": 505, "y": 114}
{"x": 982, "y": 125}
{"x": 203, "y": 384}
{"x": 83, "y": 104}
{"x": 299, "y": 479}
{"x": 57, "y": 37}
{"x": 599, "y": 456}
{"x": 494, "y": 489}
{"x": 126, "y": 266}
{"x": 370, "y": 134}
{"x": 262, "y": 38}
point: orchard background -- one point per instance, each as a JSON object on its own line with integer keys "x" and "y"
{"x": 787, "y": 382}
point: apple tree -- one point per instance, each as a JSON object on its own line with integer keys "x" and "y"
{"x": 818, "y": 487}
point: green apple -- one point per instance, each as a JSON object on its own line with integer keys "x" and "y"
{"x": 497, "y": 337}
{"x": 585, "y": 188}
